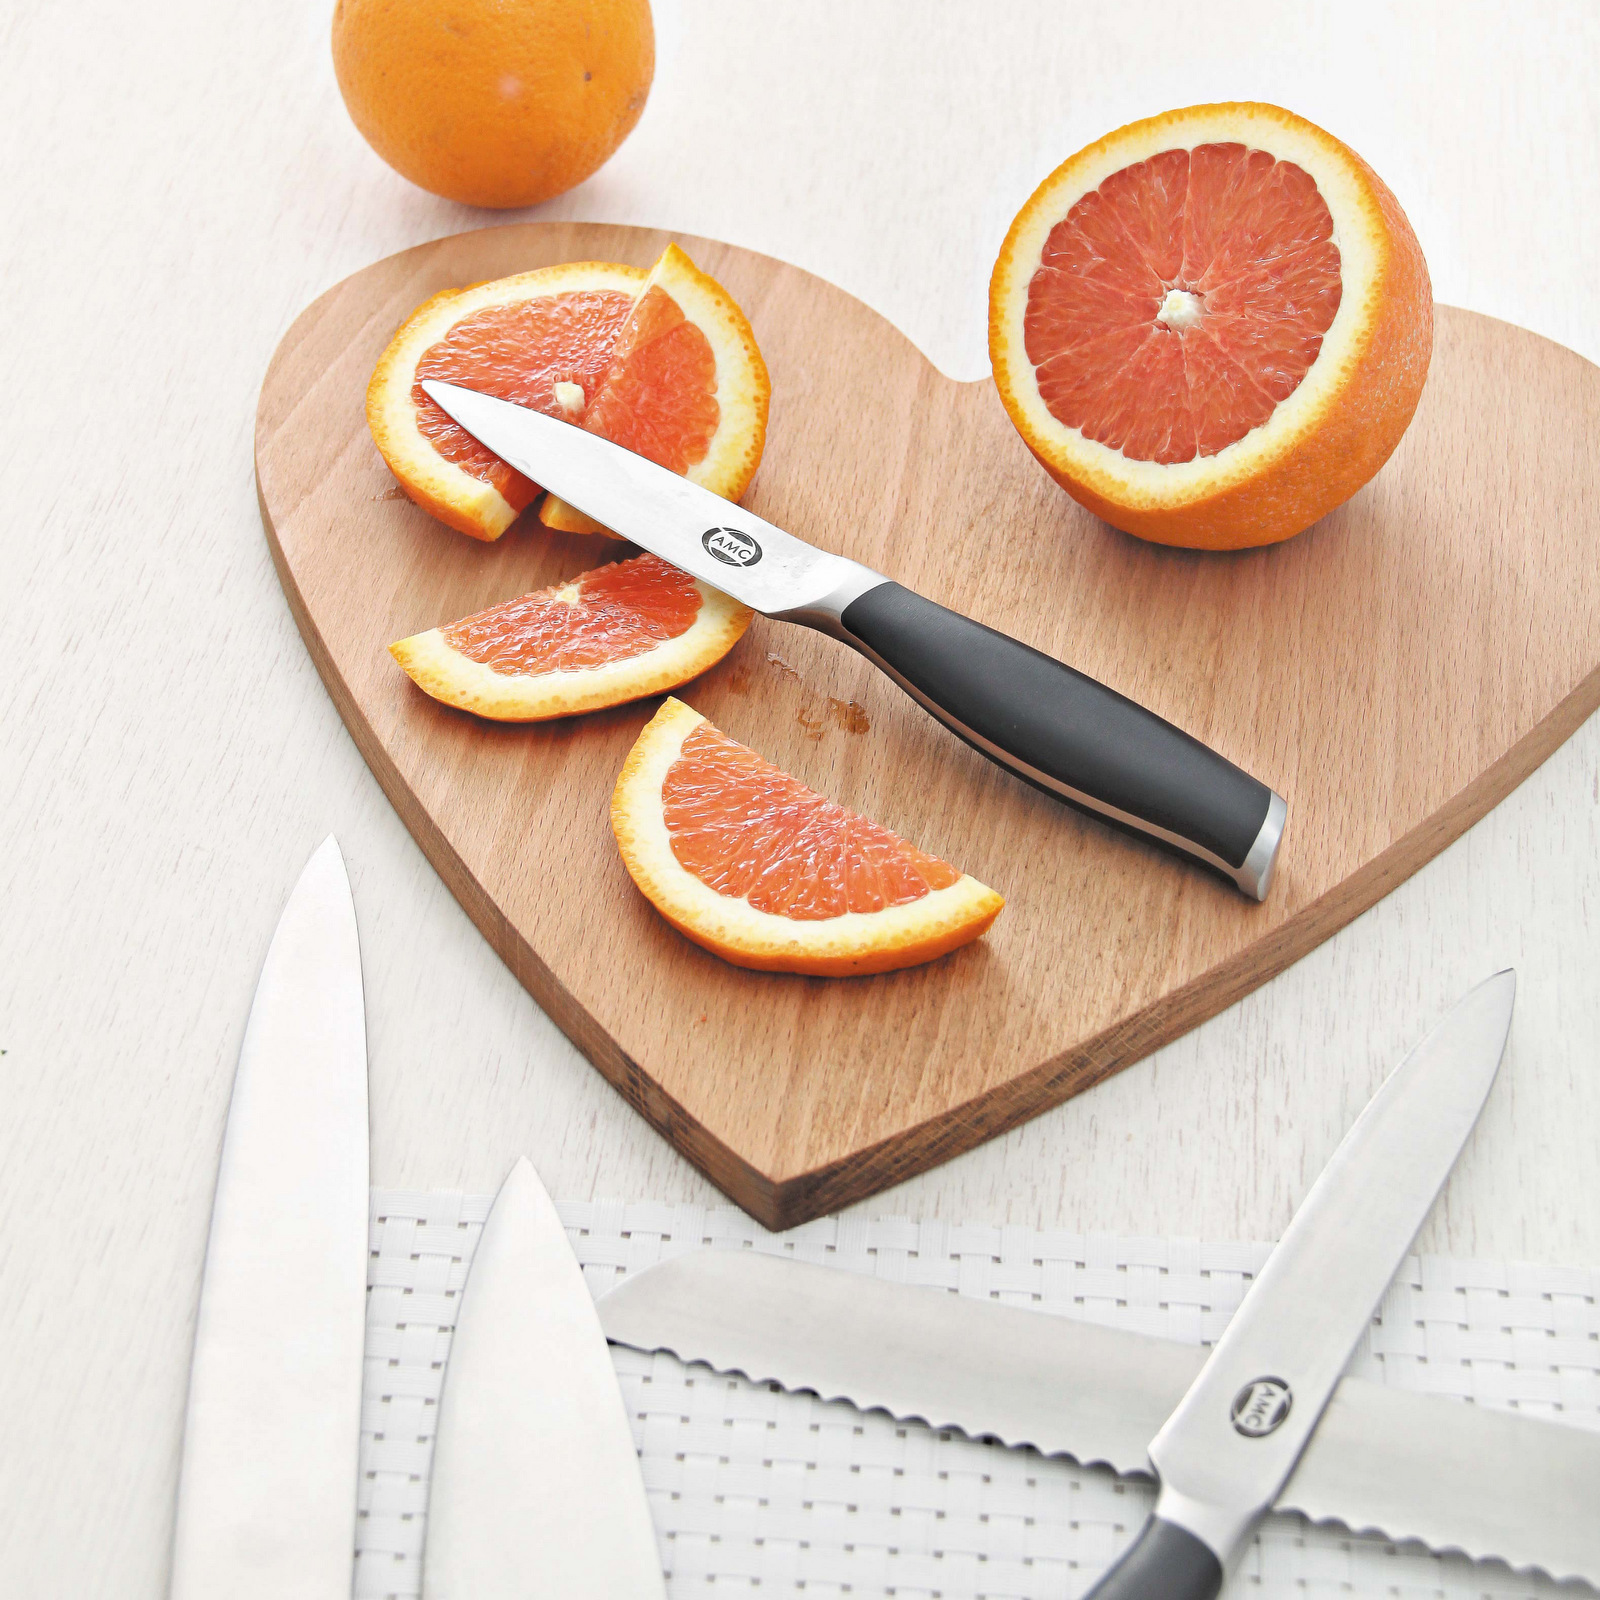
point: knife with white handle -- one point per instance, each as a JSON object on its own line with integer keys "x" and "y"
{"x": 535, "y": 1487}
{"x": 1054, "y": 727}
{"x": 267, "y": 1492}
{"x": 1456, "y": 1477}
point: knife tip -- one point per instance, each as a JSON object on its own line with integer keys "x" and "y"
{"x": 1502, "y": 985}
{"x": 328, "y": 857}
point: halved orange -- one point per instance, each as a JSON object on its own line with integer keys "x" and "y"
{"x": 1213, "y": 326}
{"x": 766, "y": 873}
{"x": 612, "y": 635}
{"x": 663, "y": 362}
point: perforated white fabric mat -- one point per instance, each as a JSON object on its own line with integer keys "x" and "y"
{"x": 756, "y": 1492}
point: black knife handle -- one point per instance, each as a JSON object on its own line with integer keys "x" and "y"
{"x": 1165, "y": 1562}
{"x": 1070, "y": 735}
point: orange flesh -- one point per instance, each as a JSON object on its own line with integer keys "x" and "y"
{"x": 1248, "y": 236}
{"x": 519, "y": 352}
{"x": 750, "y": 831}
{"x": 648, "y": 376}
{"x": 619, "y": 612}
{"x": 659, "y": 399}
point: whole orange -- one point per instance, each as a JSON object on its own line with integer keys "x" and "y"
{"x": 494, "y": 102}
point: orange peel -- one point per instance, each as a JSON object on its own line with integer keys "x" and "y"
{"x": 1166, "y": 337}
{"x": 746, "y": 861}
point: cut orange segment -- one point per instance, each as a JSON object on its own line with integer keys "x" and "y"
{"x": 1212, "y": 327}
{"x": 518, "y": 338}
{"x": 606, "y": 637}
{"x": 766, "y": 873}
{"x": 686, "y": 387}
{"x": 664, "y": 362}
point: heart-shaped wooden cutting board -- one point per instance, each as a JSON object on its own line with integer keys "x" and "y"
{"x": 1393, "y": 672}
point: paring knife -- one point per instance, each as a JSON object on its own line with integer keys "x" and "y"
{"x": 1457, "y": 1477}
{"x": 267, "y": 1493}
{"x": 1052, "y": 726}
{"x": 535, "y": 1486}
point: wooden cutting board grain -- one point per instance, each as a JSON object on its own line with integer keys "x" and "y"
{"x": 1393, "y": 672}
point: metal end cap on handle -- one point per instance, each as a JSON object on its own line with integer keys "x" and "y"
{"x": 1254, "y": 877}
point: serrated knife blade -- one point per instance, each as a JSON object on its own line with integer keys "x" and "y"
{"x": 267, "y": 1487}
{"x": 535, "y": 1487}
{"x": 1454, "y": 1476}
{"x": 1457, "y": 1477}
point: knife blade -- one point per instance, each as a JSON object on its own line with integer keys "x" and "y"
{"x": 535, "y": 1487}
{"x": 1454, "y": 1476}
{"x": 1457, "y": 1477}
{"x": 1052, "y": 726}
{"x": 267, "y": 1486}
{"x": 1225, "y": 1453}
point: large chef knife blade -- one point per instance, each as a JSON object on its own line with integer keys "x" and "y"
{"x": 535, "y": 1486}
{"x": 267, "y": 1495}
{"x": 1454, "y": 1476}
{"x": 1052, "y": 726}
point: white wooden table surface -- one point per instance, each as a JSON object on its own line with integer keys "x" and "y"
{"x": 179, "y": 179}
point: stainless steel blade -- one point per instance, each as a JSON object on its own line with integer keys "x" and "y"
{"x": 991, "y": 1371}
{"x": 1452, "y": 1475}
{"x": 706, "y": 536}
{"x": 267, "y": 1494}
{"x": 535, "y": 1486}
{"x": 1227, "y": 1450}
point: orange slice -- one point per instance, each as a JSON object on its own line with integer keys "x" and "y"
{"x": 747, "y": 861}
{"x": 686, "y": 387}
{"x": 608, "y": 636}
{"x": 1212, "y": 327}
{"x": 664, "y": 362}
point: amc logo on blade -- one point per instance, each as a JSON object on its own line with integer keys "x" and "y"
{"x": 1260, "y": 1406}
{"x": 732, "y": 548}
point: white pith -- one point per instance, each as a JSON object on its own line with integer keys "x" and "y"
{"x": 1181, "y": 309}
{"x": 470, "y": 685}
{"x": 725, "y": 920}
{"x": 1356, "y": 232}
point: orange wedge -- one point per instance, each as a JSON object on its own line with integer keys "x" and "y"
{"x": 764, "y": 872}
{"x": 606, "y": 637}
{"x": 1212, "y": 327}
{"x": 686, "y": 387}
{"x": 663, "y": 362}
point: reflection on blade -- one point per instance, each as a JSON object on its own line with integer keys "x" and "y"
{"x": 535, "y": 1485}
{"x": 1093, "y": 1392}
{"x": 1455, "y": 1476}
{"x": 706, "y": 536}
{"x": 267, "y": 1497}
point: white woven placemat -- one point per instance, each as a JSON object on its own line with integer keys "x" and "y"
{"x": 757, "y": 1492}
